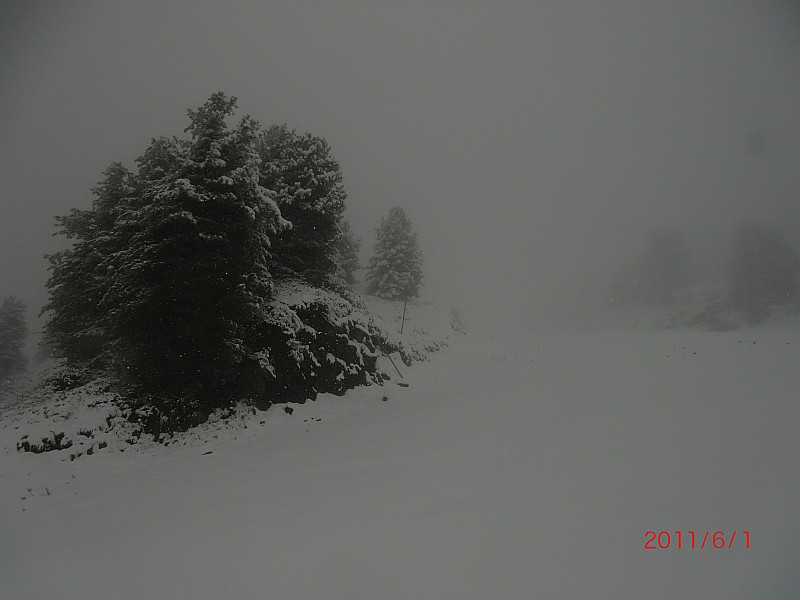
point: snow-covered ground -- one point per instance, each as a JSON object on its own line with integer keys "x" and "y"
{"x": 511, "y": 467}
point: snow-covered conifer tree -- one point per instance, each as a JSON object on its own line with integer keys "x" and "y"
{"x": 395, "y": 269}
{"x": 196, "y": 276}
{"x": 80, "y": 277}
{"x": 169, "y": 284}
{"x": 307, "y": 182}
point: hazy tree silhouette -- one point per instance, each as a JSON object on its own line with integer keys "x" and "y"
{"x": 12, "y": 338}
{"x": 764, "y": 270}
{"x": 663, "y": 267}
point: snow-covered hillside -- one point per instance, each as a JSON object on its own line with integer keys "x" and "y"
{"x": 511, "y": 467}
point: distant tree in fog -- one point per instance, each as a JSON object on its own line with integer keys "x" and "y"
{"x": 663, "y": 268}
{"x": 764, "y": 270}
{"x": 347, "y": 248}
{"x": 395, "y": 269}
{"x": 12, "y": 338}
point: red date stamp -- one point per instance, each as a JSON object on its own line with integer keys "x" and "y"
{"x": 681, "y": 540}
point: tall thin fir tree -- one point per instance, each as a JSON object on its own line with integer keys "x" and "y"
{"x": 395, "y": 269}
{"x": 170, "y": 269}
{"x": 13, "y": 332}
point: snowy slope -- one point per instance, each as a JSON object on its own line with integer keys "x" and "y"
{"x": 524, "y": 467}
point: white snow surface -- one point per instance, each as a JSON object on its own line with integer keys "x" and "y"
{"x": 514, "y": 467}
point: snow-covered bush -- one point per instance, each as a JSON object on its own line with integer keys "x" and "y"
{"x": 318, "y": 340}
{"x": 309, "y": 341}
{"x": 68, "y": 378}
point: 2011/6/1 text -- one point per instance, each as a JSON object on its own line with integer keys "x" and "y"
{"x": 680, "y": 540}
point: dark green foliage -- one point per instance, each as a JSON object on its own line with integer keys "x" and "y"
{"x": 195, "y": 275}
{"x": 77, "y": 327}
{"x": 307, "y": 185}
{"x": 395, "y": 269}
{"x": 317, "y": 340}
{"x": 169, "y": 286}
{"x": 310, "y": 341}
{"x": 69, "y": 378}
{"x": 12, "y": 338}
{"x": 764, "y": 270}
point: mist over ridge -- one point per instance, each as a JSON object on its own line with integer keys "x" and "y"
{"x": 533, "y": 147}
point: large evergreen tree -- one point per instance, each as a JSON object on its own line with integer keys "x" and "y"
{"x": 307, "y": 183}
{"x": 169, "y": 282}
{"x": 12, "y": 338}
{"x": 169, "y": 273}
{"x": 195, "y": 277}
{"x": 395, "y": 269}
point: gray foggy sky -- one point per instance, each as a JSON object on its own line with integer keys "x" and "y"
{"x": 532, "y": 143}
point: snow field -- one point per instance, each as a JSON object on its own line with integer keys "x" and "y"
{"x": 512, "y": 467}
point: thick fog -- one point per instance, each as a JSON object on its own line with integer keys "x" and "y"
{"x": 533, "y": 144}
